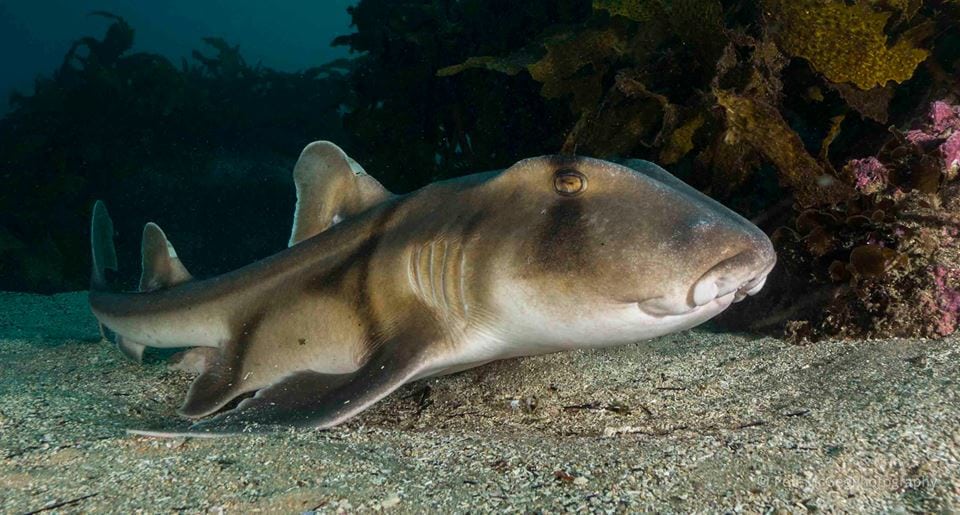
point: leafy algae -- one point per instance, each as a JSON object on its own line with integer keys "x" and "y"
{"x": 846, "y": 43}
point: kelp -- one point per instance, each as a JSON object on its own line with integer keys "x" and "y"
{"x": 636, "y": 10}
{"x": 100, "y": 52}
{"x": 846, "y": 43}
{"x": 680, "y": 141}
{"x": 697, "y": 23}
{"x": 448, "y": 125}
{"x": 629, "y": 114}
{"x": 570, "y": 64}
{"x": 872, "y": 103}
{"x": 763, "y": 128}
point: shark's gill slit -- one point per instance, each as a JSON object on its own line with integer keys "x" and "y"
{"x": 412, "y": 268}
{"x": 443, "y": 277}
{"x": 462, "y": 273}
{"x": 431, "y": 281}
{"x": 418, "y": 266}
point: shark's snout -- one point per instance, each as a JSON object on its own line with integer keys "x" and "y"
{"x": 741, "y": 275}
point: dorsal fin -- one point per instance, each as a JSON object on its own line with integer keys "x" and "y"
{"x": 161, "y": 266}
{"x": 330, "y": 187}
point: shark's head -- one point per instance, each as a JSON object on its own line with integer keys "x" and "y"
{"x": 590, "y": 251}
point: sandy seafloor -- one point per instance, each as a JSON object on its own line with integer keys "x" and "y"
{"x": 697, "y": 421}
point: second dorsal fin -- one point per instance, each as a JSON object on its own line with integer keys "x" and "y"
{"x": 161, "y": 266}
{"x": 161, "y": 269}
{"x": 330, "y": 187}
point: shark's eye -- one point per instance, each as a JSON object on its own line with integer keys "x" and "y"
{"x": 569, "y": 182}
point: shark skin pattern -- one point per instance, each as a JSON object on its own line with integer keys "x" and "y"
{"x": 377, "y": 290}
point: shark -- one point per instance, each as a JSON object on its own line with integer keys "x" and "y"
{"x": 377, "y": 290}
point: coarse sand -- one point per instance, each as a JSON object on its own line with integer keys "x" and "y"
{"x": 697, "y": 421}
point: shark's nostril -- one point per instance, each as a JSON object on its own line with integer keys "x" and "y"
{"x": 704, "y": 292}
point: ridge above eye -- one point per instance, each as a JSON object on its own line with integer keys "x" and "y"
{"x": 569, "y": 182}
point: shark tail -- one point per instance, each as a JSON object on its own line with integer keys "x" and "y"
{"x": 101, "y": 244}
{"x": 161, "y": 268}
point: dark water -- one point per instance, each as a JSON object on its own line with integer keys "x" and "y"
{"x": 289, "y": 35}
{"x": 78, "y": 118}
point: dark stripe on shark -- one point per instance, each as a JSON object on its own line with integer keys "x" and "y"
{"x": 558, "y": 161}
{"x": 221, "y": 381}
{"x": 563, "y": 240}
{"x": 353, "y": 273}
{"x": 470, "y": 225}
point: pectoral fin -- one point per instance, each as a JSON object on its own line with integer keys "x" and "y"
{"x": 194, "y": 361}
{"x": 311, "y": 399}
{"x": 307, "y": 398}
{"x": 131, "y": 349}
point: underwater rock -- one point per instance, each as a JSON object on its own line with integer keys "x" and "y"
{"x": 871, "y": 175}
{"x": 892, "y": 250}
{"x": 950, "y": 150}
{"x": 944, "y": 117}
{"x": 948, "y": 298}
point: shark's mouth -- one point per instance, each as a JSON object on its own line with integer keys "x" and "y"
{"x": 725, "y": 284}
{"x": 750, "y": 288}
{"x": 739, "y": 275}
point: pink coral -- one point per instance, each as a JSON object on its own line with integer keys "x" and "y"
{"x": 944, "y": 117}
{"x": 943, "y": 129}
{"x": 949, "y": 297}
{"x": 871, "y": 175}
{"x": 919, "y": 137}
{"x": 950, "y": 150}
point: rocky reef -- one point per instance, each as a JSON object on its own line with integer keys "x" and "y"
{"x": 890, "y": 251}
